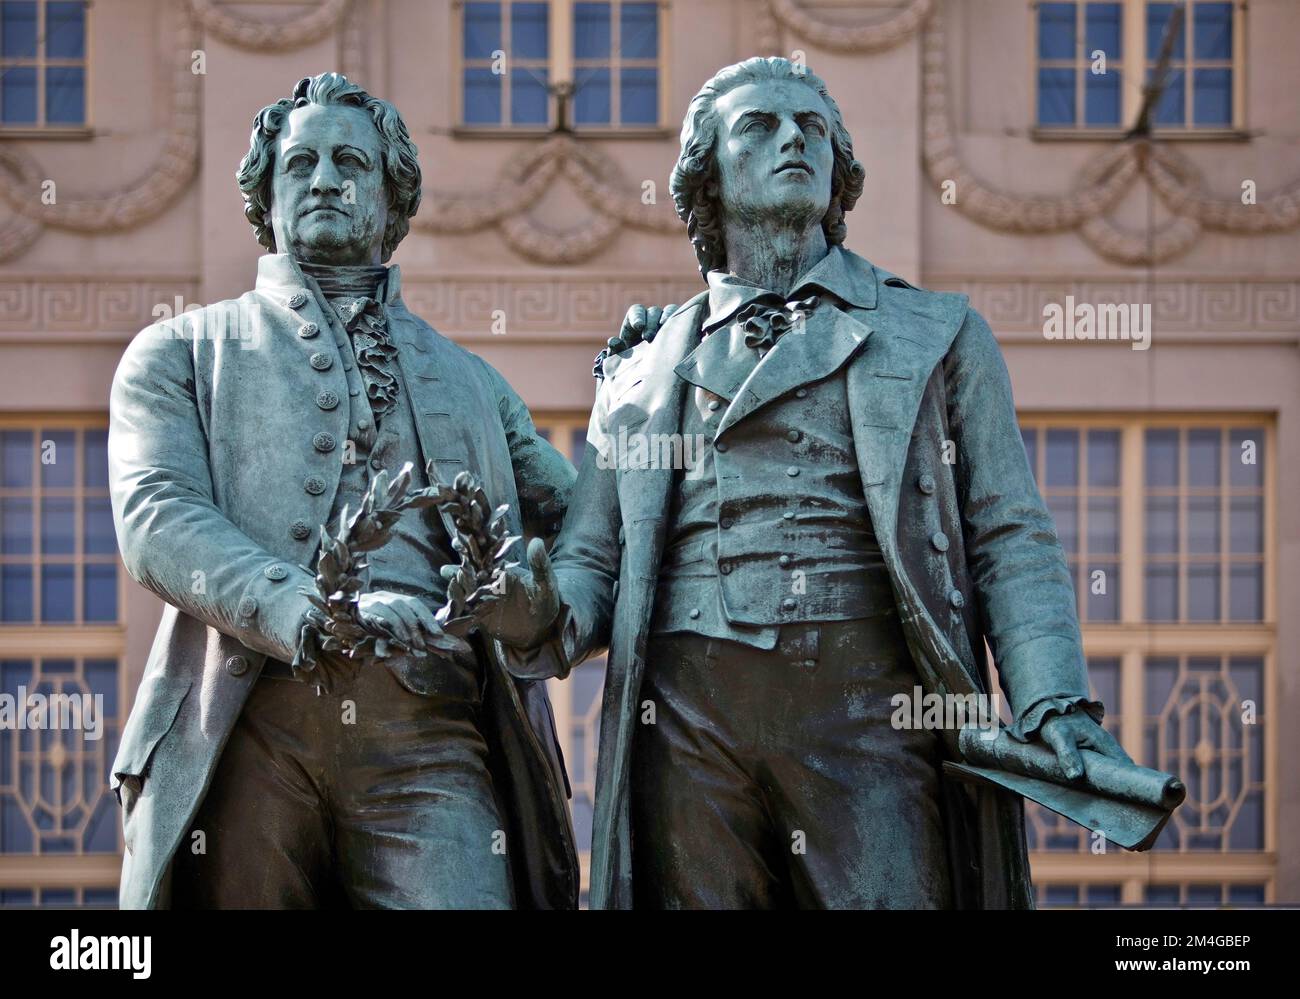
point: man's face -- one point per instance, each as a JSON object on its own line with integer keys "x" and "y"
{"x": 329, "y": 203}
{"x": 774, "y": 151}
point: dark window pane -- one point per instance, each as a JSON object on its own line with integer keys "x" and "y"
{"x": 97, "y": 527}
{"x": 528, "y": 30}
{"x": 1061, "y": 895}
{"x": 1056, "y": 29}
{"x": 482, "y": 97}
{"x": 16, "y": 603}
{"x": 1101, "y": 98}
{"x": 1203, "y": 525}
{"x": 591, "y": 101}
{"x": 639, "y": 97}
{"x": 591, "y": 31}
{"x": 58, "y": 525}
{"x": 579, "y": 446}
{"x": 16, "y": 456}
{"x": 1102, "y": 30}
{"x": 1103, "y": 894}
{"x": 1246, "y": 894}
{"x": 482, "y": 30}
{"x": 1103, "y": 525}
{"x": 18, "y": 29}
{"x": 99, "y": 597}
{"x": 1246, "y": 457}
{"x": 1056, "y": 97}
{"x": 16, "y": 526}
{"x": 638, "y": 30}
{"x": 1246, "y": 524}
{"x": 1203, "y": 457}
{"x": 1212, "y": 97}
{"x": 65, "y": 95}
{"x": 1162, "y": 525}
{"x": 65, "y": 30}
{"x": 1204, "y": 894}
{"x": 1162, "y": 457}
{"x": 1212, "y": 30}
{"x": 1172, "y": 109}
{"x": 1203, "y": 592}
{"x": 95, "y": 456}
{"x": 1246, "y": 593}
{"x": 1162, "y": 593}
{"x": 58, "y": 593}
{"x": 1062, "y": 458}
{"x": 1103, "y": 458}
{"x": 1158, "y": 15}
{"x": 58, "y": 458}
{"x": 528, "y": 96}
{"x": 18, "y": 96}
{"x": 1161, "y": 894}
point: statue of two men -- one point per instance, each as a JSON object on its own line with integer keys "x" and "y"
{"x": 761, "y": 609}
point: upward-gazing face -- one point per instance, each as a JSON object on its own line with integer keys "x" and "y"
{"x": 774, "y": 152}
{"x": 329, "y": 201}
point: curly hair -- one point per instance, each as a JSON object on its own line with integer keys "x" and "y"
{"x": 694, "y": 181}
{"x": 401, "y": 168}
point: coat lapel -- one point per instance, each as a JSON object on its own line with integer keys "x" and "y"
{"x": 912, "y": 333}
{"x": 808, "y": 353}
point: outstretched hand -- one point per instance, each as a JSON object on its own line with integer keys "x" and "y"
{"x": 521, "y": 605}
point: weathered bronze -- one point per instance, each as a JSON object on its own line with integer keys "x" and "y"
{"x": 858, "y": 520}
{"x": 429, "y": 777}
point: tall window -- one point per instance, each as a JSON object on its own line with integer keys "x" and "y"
{"x": 42, "y": 63}
{"x": 526, "y": 64}
{"x": 1165, "y": 525}
{"x": 1092, "y": 59}
{"x": 60, "y": 667}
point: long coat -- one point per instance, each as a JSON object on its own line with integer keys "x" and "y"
{"x": 939, "y": 450}
{"x": 226, "y": 426}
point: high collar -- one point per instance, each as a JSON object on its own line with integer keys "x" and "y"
{"x": 839, "y": 273}
{"x": 279, "y": 276}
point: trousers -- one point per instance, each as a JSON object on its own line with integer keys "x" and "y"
{"x": 369, "y": 796}
{"x": 774, "y": 779}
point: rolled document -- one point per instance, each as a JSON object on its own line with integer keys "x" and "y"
{"x": 1101, "y": 774}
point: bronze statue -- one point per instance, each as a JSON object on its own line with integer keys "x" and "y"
{"x": 861, "y": 520}
{"x": 258, "y": 767}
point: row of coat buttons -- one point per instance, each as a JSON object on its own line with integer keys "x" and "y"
{"x": 925, "y": 482}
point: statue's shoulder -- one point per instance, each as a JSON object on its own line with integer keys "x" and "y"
{"x": 182, "y": 332}
{"x": 620, "y": 355}
{"x": 933, "y": 315}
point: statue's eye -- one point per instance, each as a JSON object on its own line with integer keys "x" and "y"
{"x": 298, "y": 164}
{"x": 755, "y": 125}
{"x": 351, "y": 159}
{"x": 813, "y": 127}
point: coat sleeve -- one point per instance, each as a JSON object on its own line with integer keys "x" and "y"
{"x": 586, "y": 555}
{"x": 544, "y": 484}
{"x": 1017, "y": 566}
{"x": 174, "y": 540}
{"x": 543, "y": 476}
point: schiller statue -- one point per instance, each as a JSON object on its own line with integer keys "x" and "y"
{"x": 430, "y": 779}
{"x": 861, "y": 521}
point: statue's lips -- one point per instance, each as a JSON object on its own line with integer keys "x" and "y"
{"x": 787, "y": 167}
{"x": 323, "y": 208}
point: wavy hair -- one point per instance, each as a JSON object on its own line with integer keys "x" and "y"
{"x": 401, "y": 167}
{"x": 694, "y": 181}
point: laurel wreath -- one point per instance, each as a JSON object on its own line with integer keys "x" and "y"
{"x": 335, "y": 631}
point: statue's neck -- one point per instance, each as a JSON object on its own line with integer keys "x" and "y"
{"x": 772, "y": 254}
{"x": 348, "y": 281}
